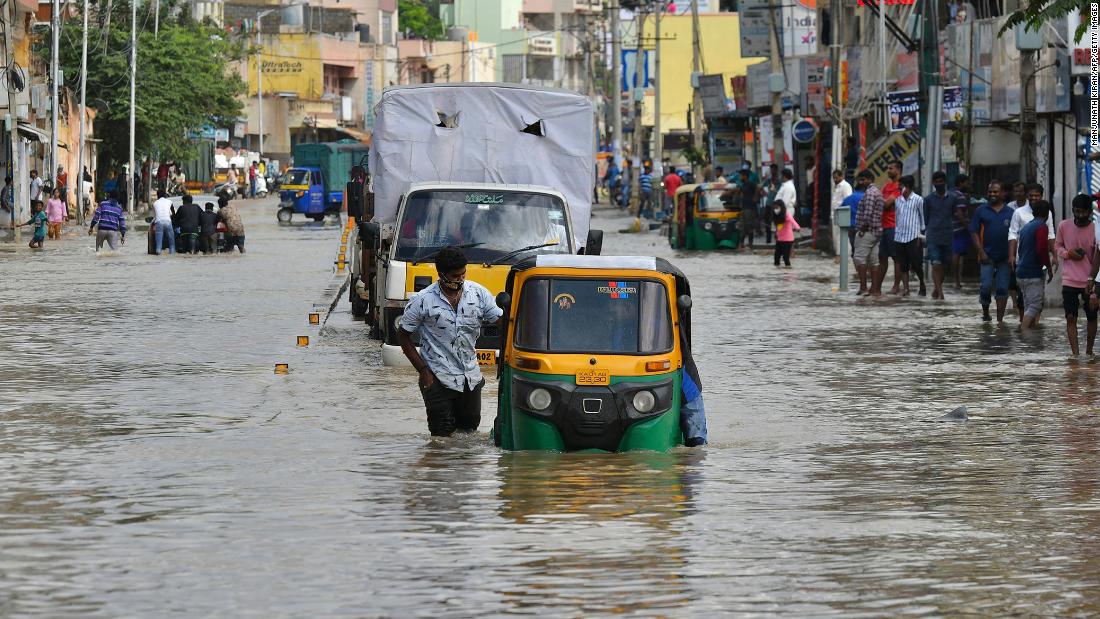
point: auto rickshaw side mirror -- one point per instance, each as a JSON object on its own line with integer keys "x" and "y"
{"x": 504, "y": 301}
{"x": 594, "y": 245}
{"x": 683, "y": 303}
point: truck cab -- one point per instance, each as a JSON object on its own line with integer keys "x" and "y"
{"x": 496, "y": 225}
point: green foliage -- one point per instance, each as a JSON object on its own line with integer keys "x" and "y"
{"x": 185, "y": 79}
{"x": 416, "y": 17}
{"x": 1038, "y": 12}
{"x": 696, "y": 157}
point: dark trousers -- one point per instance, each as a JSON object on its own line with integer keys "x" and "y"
{"x": 911, "y": 258}
{"x": 783, "y": 250}
{"x": 235, "y": 241}
{"x": 189, "y": 242}
{"x": 449, "y": 410}
{"x": 209, "y": 243}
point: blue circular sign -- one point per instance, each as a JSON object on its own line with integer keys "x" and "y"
{"x": 804, "y": 131}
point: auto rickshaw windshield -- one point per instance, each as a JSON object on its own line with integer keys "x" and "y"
{"x": 718, "y": 200}
{"x": 298, "y": 177}
{"x": 490, "y": 223}
{"x": 594, "y": 316}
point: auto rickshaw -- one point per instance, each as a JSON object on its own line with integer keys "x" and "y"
{"x": 706, "y": 216}
{"x": 592, "y": 354}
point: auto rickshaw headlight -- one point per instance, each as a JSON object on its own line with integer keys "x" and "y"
{"x": 644, "y": 401}
{"x": 539, "y": 399}
{"x": 397, "y": 322}
{"x": 299, "y": 194}
{"x": 708, "y": 226}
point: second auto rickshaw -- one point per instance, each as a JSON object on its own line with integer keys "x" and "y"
{"x": 706, "y": 216}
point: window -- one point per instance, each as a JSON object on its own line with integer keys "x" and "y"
{"x": 387, "y": 28}
{"x": 594, "y": 316}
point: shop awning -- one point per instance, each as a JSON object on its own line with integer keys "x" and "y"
{"x": 31, "y": 132}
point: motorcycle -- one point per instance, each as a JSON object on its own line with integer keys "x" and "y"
{"x": 261, "y": 187}
{"x": 225, "y": 190}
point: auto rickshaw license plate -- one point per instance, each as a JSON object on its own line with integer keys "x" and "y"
{"x": 594, "y": 377}
{"x": 486, "y": 357}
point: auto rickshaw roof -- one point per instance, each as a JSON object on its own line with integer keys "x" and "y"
{"x": 571, "y": 261}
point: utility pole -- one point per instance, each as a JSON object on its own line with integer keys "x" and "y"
{"x": 658, "y": 142}
{"x": 637, "y": 89}
{"x": 698, "y": 136}
{"x": 55, "y": 23}
{"x": 835, "y": 8}
{"x": 11, "y": 120}
{"x": 260, "y": 78}
{"x": 777, "y": 96}
{"x": 131, "y": 203}
{"x": 931, "y": 116}
{"x": 1027, "y": 116}
{"x": 156, "y": 19}
{"x": 83, "y": 129}
{"x": 885, "y": 111}
{"x": 616, "y": 87}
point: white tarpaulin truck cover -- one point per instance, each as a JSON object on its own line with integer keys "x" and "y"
{"x": 484, "y": 141}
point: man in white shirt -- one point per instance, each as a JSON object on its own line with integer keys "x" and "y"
{"x": 162, "y": 219}
{"x": 36, "y": 187}
{"x": 787, "y": 193}
{"x": 1023, "y": 216}
{"x": 841, "y": 189}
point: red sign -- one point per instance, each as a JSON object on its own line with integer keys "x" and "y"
{"x": 888, "y": 2}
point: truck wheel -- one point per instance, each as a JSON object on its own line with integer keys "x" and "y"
{"x": 358, "y": 305}
{"x": 284, "y": 215}
{"x": 318, "y": 217}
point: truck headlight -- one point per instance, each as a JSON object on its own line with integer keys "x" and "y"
{"x": 644, "y": 401}
{"x": 539, "y": 399}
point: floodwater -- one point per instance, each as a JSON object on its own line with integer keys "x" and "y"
{"x": 153, "y": 465}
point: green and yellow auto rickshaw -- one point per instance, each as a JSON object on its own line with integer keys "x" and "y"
{"x": 592, "y": 354}
{"x": 706, "y": 216}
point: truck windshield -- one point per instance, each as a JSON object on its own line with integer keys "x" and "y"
{"x": 297, "y": 177}
{"x": 718, "y": 200}
{"x": 594, "y": 316}
{"x": 498, "y": 222}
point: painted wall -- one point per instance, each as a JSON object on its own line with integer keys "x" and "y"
{"x": 292, "y": 63}
{"x": 492, "y": 21}
{"x": 721, "y": 44}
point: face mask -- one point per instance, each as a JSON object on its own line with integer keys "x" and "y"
{"x": 776, "y": 211}
{"x": 939, "y": 188}
{"x": 450, "y": 284}
{"x": 1081, "y": 222}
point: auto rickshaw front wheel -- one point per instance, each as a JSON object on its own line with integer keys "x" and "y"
{"x": 284, "y": 215}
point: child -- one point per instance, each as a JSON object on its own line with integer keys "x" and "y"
{"x": 785, "y": 227}
{"x": 56, "y": 212}
{"x": 39, "y": 220}
{"x": 1032, "y": 257}
{"x": 209, "y": 229}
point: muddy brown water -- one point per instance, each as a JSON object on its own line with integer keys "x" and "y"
{"x": 152, "y": 465}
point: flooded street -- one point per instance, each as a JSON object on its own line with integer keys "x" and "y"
{"x": 152, "y": 465}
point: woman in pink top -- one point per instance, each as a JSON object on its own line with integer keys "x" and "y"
{"x": 785, "y": 227}
{"x": 56, "y": 213}
{"x": 1076, "y": 245}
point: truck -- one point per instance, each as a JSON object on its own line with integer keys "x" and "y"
{"x": 314, "y": 185}
{"x": 502, "y": 170}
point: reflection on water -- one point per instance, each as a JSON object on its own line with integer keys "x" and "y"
{"x": 151, "y": 464}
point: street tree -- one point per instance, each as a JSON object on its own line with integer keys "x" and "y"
{"x": 416, "y": 17}
{"x": 1038, "y": 12}
{"x": 186, "y": 79}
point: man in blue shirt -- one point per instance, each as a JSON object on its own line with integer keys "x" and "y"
{"x": 645, "y": 189}
{"x": 852, "y": 202}
{"x": 448, "y": 316}
{"x": 939, "y": 214}
{"x": 989, "y": 232}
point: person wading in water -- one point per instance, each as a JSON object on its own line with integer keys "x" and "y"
{"x": 448, "y": 316}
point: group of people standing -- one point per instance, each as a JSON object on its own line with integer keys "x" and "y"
{"x": 48, "y": 205}
{"x": 1018, "y": 246}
